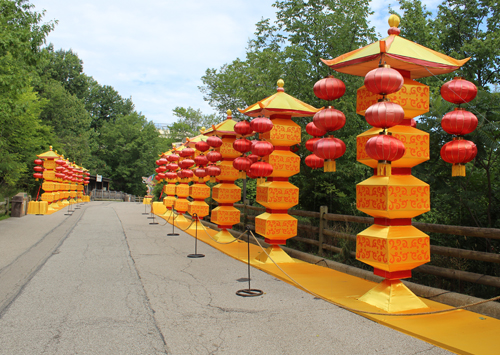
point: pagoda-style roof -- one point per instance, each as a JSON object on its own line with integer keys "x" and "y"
{"x": 280, "y": 104}
{"x": 191, "y": 142}
{"x": 50, "y": 154}
{"x": 399, "y": 53}
{"x": 225, "y": 128}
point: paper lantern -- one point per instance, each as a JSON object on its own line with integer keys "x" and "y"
{"x": 214, "y": 156}
{"x": 261, "y": 169}
{"x": 329, "y": 119}
{"x": 329, "y": 88}
{"x": 38, "y": 161}
{"x": 173, "y": 157}
{"x": 383, "y": 80}
{"x": 261, "y": 124}
{"x": 459, "y": 122}
{"x": 385, "y": 149}
{"x": 329, "y": 149}
{"x": 38, "y": 176}
{"x": 314, "y": 130}
{"x": 242, "y": 164}
{"x": 213, "y": 171}
{"x": 186, "y": 152}
{"x": 458, "y": 152}
{"x": 314, "y": 162}
{"x": 384, "y": 114}
{"x": 214, "y": 141}
{"x": 242, "y": 145}
{"x": 163, "y": 161}
{"x": 186, "y": 163}
{"x": 201, "y": 160}
{"x": 202, "y": 146}
{"x": 458, "y": 91}
{"x": 243, "y": 128}
{"x": 253, "y": 158}
{"x": 262, "y": 148}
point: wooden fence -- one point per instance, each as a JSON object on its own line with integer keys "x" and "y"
{"x": 5, "y": 206}
{"x": 316, "y": 237}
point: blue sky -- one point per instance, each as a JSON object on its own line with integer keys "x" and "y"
{"x": 156, "y": 51}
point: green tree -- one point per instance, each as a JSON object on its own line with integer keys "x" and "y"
{"x": 189, "y": 123}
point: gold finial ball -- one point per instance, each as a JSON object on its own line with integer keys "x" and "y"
{"x": 50, "y": 147}
{"x": 203, "y": 129}
{"x": 281, "y": 83}
{"x": 229, "y": 112}
{"x": 394, "y": 20}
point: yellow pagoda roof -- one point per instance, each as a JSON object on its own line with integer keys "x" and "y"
{"x": 50, "y": 154}
{"x": 399, "y": 53}
{"x": 225, "y": 128}
{"x": 191, "y": 142}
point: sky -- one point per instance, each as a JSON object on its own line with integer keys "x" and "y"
{"x": 156, "y": 51}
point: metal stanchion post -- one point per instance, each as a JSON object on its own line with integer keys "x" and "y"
{"x": 249, "y": 292}
{"x": 196, "y": 255}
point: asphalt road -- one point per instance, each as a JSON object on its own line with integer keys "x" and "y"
{"x": 105, "y": 281}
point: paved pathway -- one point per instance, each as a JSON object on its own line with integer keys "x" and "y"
{"x": 104, "y": 281}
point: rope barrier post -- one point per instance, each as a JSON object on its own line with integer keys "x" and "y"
{"x": 69, "y": 213}
{"x": 250, "y": 292}
{"x": 322, "y": 211}
{"x": 173, "y": 225}
{"x": 196, "y": 255}
{"x": 154, "y": 220}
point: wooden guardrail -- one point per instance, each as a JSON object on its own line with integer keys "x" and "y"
{"x": 321, "y": 231}
{"x": 5, "y": 206}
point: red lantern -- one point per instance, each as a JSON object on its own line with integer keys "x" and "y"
{"x": 383, "y": 81}
{"x": 158, "y": 178}
{"x": 314, "y": 162}
{"x": 201, "y": 173}
{"x": 186, "y": 163}
{"x": 261, "y": 124}
{"x": 385, "y": 149}
{"x": 163, "y": 161}
{"x": 202, "y": 146}
{"x": 243, "y": 128}
{"x": 314, "y": 130}
{"x": 39, "y": 169}
{"x": 172, "y": 166}
{"x": 162, "y": 168}
{"x": 201, "y": 160}
{"x": 59, "y": 162}
{"x": 214, "y": 156}
{"x": 39, "y": 161}
{"x": 310, "y": 144}
{"x": 157, "y": 170}
{"x": 171, "y": 175}
{"x": 186, "y": 152}
{"x": 173, "y": 157}
{"x": 253, "y": 158}
{"x": 260, "y": 170}
{"x": 262, "y": 148}
{"x": 214, "y": 141}
{"x": 158, "y": 162}
{"x": 458, "y": 91}
{"x": 329, "y": 88}
{"x": 186, "y": 173}
{"x": 59, "y": 175}
{"x": 213, "y": 171}
{"x": 242, "y": 164}
{"x": 459, "y": 122}
{"x": 38, "y": 176}
{"x": 329, "y": 119}
{"x": 161, "y": 175}
{"x": 384, "y": 114}
{"x": 329, "y": 149}
{"x": 242, "y": 145}
{"x": 458, "y": 152}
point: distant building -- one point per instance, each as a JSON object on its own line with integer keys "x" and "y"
{"x": 162, "y": 128}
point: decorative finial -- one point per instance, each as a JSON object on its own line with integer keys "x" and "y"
{"x": 394, "y": 23}
{"x": 203, "y": 129}
{"x": 229, "y": 112}
{"x": 281, "y": 83}
{"x": 50, "y": 147}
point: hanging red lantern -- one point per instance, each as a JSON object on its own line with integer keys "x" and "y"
{"x": 60, "y": 162}
{"x": 384, "y": 114}
{"x": 161, "y": 175}
{"x": 243, "y": 128}
{"x": 459, "y": 122}
{"x": 242, "y": 145}
{"x": 163, "y": 161}
{"x": 200, "y": 172}
{"x": 329, "y": 149}
{"x": 172, "y": 166}
{"x": 242, "y": 164}
{"x": 38, "y": 161}
{"x": 329, "y": 88}
{"x": 314, "y": 162}
{"x": 186, "y": 173}
{"x": 186, "y": 152}
{"x": 262, "y": 148}
{"x": 329, "y": 119}
{"x": 157, "y": 178}
{"x": 458, "y": 152}
{"x": 213, "y": 171}
{"x": 37, "y": 176}
{"x": 310, "y": 144}
{"x": 157, "y": 170}
{"x": 171, "y": 175}
{"x": 38, "y": 169}
{"x": 385, "y": 149}
{"x": 158, "y": 162}
{"x": 201, "y": 160}
{"x": 186, "y": 163}
{"x": 214, "y": 141}
{"x": 253, "y": 158}
{"x": 173, "y": 157}
{"x": 60, "y": 175}
{"x": 458, "y": 91}
{"x": 314, "y": 130}
{"x": 162, "y": 168}
{"x": 202, "y": 146}
{"x": 384, "y": 80}
{"x": 261, "y": 169}
{"x": 261, "y": 124}
{"x": 179, "y": 174}
{"x": 214, "y": 156}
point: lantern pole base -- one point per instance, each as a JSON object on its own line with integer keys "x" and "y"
{"x": 180, "y": 219}
{"x": 167, "y": 214}
{"x": 224, "y": 237}
{"x": 392, "y": 296}
{"x": 276, "y": 254}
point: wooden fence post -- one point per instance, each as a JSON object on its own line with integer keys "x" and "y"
{"x": 322, "y": 211}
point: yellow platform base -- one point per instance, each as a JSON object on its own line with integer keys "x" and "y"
{"x": 181, "y": 221}
{"x": 393, "y": 296}
{"x": 224, "y": 237}
{"x": 274, "y": 254}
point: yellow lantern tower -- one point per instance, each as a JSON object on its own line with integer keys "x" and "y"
{"x": 277, "y": 194}
{"x": 392, "y": 245}
{"x": 49, "y": 176}
{"x": 182, "y": 190}
{"x": 226, "y": 193}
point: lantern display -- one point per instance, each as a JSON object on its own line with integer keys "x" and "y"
{"x": 459, "y": 123}
{"x": 181, "y": 204}
{"x": 242, "y": 145}
{"x": 213, "y": 157}
{"x": 327, "y": 121}
{"x": 261, "y": 148}
{"x": 169, "y": 188}
{"x": 277, "y": 194}
{"x": 222, "y": 136}
{"x": 393, "y": 196}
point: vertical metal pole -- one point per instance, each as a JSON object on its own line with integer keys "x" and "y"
{"x": 322, "y": 222}
{"x": 245, "y": 218}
